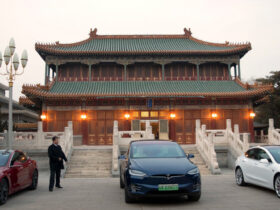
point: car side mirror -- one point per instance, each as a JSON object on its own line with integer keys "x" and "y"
{"x": 190, "y": 156}
{"x": 122, "y": 157}
{"x": 264, "y": 161}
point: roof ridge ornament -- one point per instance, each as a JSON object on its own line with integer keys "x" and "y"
{"x": 187, "y": 32}
{"x": 93, "y": 32}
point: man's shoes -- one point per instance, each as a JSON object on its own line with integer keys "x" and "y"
{"x": 59, "y": 187}
{"x": 50, "y": 190}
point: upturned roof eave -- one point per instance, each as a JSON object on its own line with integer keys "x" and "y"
{"x": 44, "y": 52}
{"x": 42, "y": 94}
{"x": 226, "y": 48}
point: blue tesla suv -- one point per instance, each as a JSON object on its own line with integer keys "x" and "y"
{"x": 155, "y": 168}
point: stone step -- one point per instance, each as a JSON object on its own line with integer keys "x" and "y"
{"x": 93, "y": 153}
{"x": 100, "y": 167}
{"x": 94, "y": 172}
{"x": 91, "y": 156}
{"x": 87, "y": 176}
{"x": 90, "y": 172}
{"x": 90, "y": 163}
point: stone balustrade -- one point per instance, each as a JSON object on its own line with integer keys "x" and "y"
{"x": 205, "y": 146}
{"x": 237, "y": 145}
{"x": 40, "y": 140}
{"x": 273, "y": 134}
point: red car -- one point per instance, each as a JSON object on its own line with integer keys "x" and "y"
{"x": 17, "y": 172}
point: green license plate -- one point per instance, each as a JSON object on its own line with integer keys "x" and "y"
{"x": 168, "y": 187}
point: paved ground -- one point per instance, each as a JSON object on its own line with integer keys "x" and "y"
{"x": 218, "y": 192}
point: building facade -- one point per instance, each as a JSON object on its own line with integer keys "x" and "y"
{"x": 170, "y": 80}
{"x": 22, "y": 116}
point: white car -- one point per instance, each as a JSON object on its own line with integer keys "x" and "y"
{"x": 260, "y": 166}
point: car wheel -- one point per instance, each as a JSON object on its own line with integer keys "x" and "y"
{"x": 128, "y": 197}
{"x": 4, "y": 191}
{"x": 34, "y": 183}
{"x": 277, "y": 185}
{"x": 121, "y": 183}
{"x": 239, "y": 178}
{"x": 195, "y": 197}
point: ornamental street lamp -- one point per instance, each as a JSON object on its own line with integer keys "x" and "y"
{"x": 11, "y": 72}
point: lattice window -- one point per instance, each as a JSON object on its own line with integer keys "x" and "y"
{"x": 163, "y": 126}
{"x": 135, "y": 126}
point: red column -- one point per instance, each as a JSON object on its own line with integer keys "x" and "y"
{"x": 213, "y": 123}
{"x": 251, "y": 129}
{"x": 127, "y": 125}
{"x": 45, "y": 126}
{"x": 172, "y": 133}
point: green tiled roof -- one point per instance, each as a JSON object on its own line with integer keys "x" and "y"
{"x": 145, "y": 87}
{"x": 100, "y": 89}
{"x": 142, "y": 45}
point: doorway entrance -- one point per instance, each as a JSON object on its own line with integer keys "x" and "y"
{"x": 154, "y": 124}
{"x": 155, "y": 129}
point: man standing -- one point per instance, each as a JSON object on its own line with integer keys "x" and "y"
{"x": 56, "y": 156}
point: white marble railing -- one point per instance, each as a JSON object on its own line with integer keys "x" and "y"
{"x": 237, "y": 145}
{"x": 219, "y": 136}
{"x": 39, "y": 139}
{"x": 205, "y": 146}
{"x": 273, "y": 134}
{"x": 123, "y": 138}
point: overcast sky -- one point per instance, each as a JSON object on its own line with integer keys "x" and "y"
{"x": 30, "y": 21}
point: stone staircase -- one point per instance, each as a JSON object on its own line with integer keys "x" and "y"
{"x": 90, "y": 162}
{"x": 197, "y": 160}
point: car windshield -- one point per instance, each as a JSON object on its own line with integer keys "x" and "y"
{"x": 4, "y": 157}
{"x": 275, "y": 152}
{"x": 162, "y": 150}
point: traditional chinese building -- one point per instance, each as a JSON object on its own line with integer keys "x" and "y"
{"x": 170, "y": 80}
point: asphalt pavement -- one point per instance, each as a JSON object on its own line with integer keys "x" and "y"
{"x": 218, "y": 192}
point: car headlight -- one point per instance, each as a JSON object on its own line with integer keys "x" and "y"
{"x": 193, "y": 171}
{"x": 136, "y": 173}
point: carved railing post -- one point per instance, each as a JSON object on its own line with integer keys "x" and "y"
{"x": 40, "y": 134}
{"x": 236, "y": 135}
{"x": 203, "y": 136}
{"x": 228, "y": 129}
{"x": 245, "y": 142}
{"x": 197, "y": 128}
{"x": 115, "y": 149}
{"x": 149, "y": 131}
{"x": 236, "y": 129}
{"x": 270, "y": 131}
{"x": 211, "y": 144}
{"x": 116, "y": 133}
{"x": 228, "y": 122}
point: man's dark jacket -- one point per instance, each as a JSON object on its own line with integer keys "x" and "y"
{"x": 55, "y": 152}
